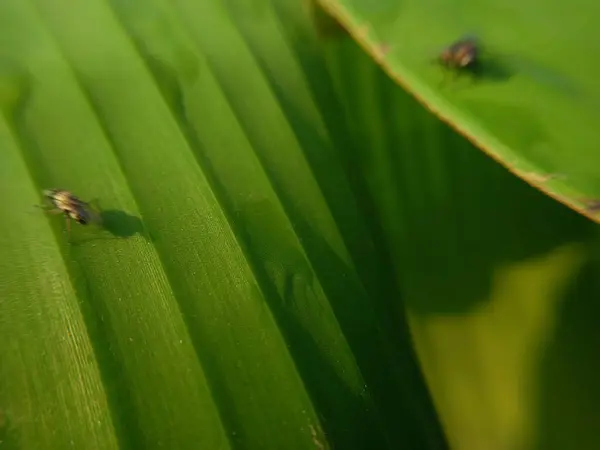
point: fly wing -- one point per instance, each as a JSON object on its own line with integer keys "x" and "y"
{"x": 452, "y": 46}
{"x": 471, "y": 40}
{"x": 91, "y": 214}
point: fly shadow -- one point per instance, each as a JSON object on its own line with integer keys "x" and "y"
{"x": 489, "y": 70}
{"x": 119, "y": 224}
{"x": 469, "y": 58}
{"x": 123, "y": 225}
{"x": 491, "y": 65}
{"x": 495, "y": 68}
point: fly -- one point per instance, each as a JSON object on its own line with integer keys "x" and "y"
{"x": 463, "y": 56}
{"x": 64, "y": 202}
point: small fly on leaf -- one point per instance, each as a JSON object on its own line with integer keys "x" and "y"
{"x": 64, "y": 202}
{"x": 461, "y": 56}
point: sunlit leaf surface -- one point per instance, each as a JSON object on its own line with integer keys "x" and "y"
{"x": 233, "y": 295}
{"x": 535, "y": 103}
{"x": 500, "y": 282}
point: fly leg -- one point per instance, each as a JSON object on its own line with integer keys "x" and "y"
{"x": 451, "y": 74}
{"x": 475, "y": 72}
{"x": 68, "y": 219}
{"x": 50, "y": 209}
{"x": 447, "y": 73}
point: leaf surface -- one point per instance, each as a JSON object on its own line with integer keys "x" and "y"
{"x": 499, "y": 282}
{"x": 534, "y": 106}
{"x": 234, "y": 294}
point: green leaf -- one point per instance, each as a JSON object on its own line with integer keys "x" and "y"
{"x": 535, "y": 106}
{"x": 234, "y": 296}
{"x": 274, "y": 211}
{"x": 499, "y": 282}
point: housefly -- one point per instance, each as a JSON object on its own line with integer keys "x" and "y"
{"x": 64, "y": 202}
{"x": 462, "y": 56}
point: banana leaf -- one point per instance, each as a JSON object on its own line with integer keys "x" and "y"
{"x": 531, "y": 104}
{"x": 285, "y": 243}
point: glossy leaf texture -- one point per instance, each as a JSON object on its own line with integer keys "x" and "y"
{"x": 235, "y": 293}
{"x": 499, "y": 282}
{"x": 534, "y": 104}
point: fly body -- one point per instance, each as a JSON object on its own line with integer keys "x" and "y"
{"x": 72, "y": 207}
{"x": 69, "y": 204}
{"x": 462, "y": 54}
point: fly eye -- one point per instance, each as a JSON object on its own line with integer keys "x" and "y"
{"x": 82, "y": 220}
